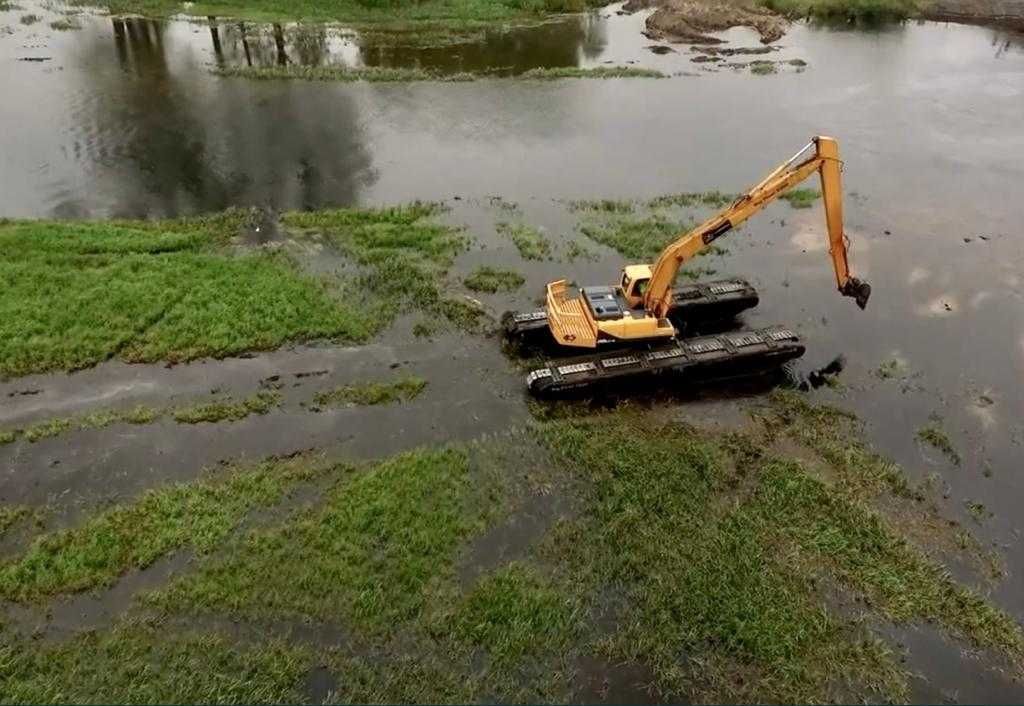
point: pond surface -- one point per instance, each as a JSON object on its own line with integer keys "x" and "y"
{"x": 124, "y": 118}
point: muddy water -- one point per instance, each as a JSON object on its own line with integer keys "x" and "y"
{"x": 123, "y": 118}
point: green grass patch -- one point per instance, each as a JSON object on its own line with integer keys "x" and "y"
{"x": 405, "y": 255}
{"x": 558, "y": 72}
{"x": 603, "y": 205}
{"x": 79, "y": 293}
{"x": 740, "y": 595}
{"x": 227, "y": 410}
{"x": 403, "y": 389}
{"x": 491, "y": 279}
{"x": 10, "y": 515}
{"x": 933, "y": 435}
{"x": 391, "y": 15}
{"x": 224, "y": 410}
{"x": 515, "y": 611}
{"x": 801, "y": 198}
{"x": 367, "y": 557}
{"x": 713, "y": 198}
{"x": 141, "y": 663}
{"x": 199, "y": 515}
{"x": 529, "y": 241}
{"x": 637, "y": 238}
{"x": 849, "y": 10}
{"x": 339, "y": 73}
{"x": 29, "y": 19}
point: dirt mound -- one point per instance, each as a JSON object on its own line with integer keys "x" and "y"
{"x": 691, "y": 20}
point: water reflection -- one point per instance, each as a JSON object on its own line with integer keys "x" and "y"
{"x": 176, "y": 144}
{"x": 505, "y": 51}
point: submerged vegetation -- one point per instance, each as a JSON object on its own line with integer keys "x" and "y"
{"x": 763, "y": 595}
{"x": 801, "y": 198}
{"x": 403, "y": 389}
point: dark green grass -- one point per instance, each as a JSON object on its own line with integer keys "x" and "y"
{"x": 65, "y": 24}
{"x": 79, "y": 293}
{"x": 405, "y": 75}
{"x": 402, "y": 389}
{"x": 139, "y": 663}
{"x": 198, "y": 515}
{"x": 11, "y": 515}
{"x": 515, "y": 611}
{"x": 531, "y": 243}
{"x": 492, "y": 280}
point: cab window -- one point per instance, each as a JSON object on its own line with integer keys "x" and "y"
{"x": 625, "y": 283}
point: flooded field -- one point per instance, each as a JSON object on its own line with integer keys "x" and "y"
{"x": 125, "y": 118}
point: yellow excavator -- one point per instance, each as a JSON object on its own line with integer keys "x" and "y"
{"x": 639, "y": 311}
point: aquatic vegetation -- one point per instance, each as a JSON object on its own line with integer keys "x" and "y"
{"x": 80, "y": 293}
{"x": 531, "y": 243}
{"x": 490, "y": 279}
{"x": 380, "y": 558}
{"x": 762, "y": 68}
{"x": 227, "y": 410}
{"x": 933, "y": 435}
{"x": 404, "y": 389}
{"x": 65, "y": 24}
{"x": 801, "y": 198}
{"x": 713, "y": 198}
{"x": 29, "y": 19}
{"x": 134, "y": 535}
{"x": 639, "y": 238}
{"x": 556, "y": 72}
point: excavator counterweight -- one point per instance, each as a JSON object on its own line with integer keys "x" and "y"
{"x": 645, "y": 310}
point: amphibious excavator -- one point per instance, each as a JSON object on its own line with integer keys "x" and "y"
{"x": 639, "y": 326}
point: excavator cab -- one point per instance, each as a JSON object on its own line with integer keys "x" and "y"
{"x": 635, "y": 279}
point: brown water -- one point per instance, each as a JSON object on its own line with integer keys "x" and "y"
{"x": 124, "y": 118}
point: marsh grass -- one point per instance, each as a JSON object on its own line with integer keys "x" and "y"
{"x": 224, "y": 410}
{"x": 935, "y": 436}
{"x": 405, "y": 253}
{"x": 492, "y": 280}
{"x": 801, "y": 198}
{"x": 704, "y": 545}
{"x": 199, "y": 515}
{"x": 403, "y": 389}
{"x": 79, "y": 293}
{"x": 531, "y": 243}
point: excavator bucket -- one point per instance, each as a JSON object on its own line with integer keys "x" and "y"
{"x": 860, "y": 291}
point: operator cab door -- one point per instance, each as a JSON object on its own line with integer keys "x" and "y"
{"x": 633, "y": 290}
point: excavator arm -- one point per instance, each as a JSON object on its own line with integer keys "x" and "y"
{"x": 825, "y": 161}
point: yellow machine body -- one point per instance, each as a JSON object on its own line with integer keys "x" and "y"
{"x": 637, "y": 308}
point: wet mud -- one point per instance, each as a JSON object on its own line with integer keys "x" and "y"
{"x": 695, "y": 21}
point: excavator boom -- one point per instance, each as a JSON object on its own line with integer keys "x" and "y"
{"x": 825, "y": 161}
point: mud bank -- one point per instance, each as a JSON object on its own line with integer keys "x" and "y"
{"x": 692, "y": 20}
